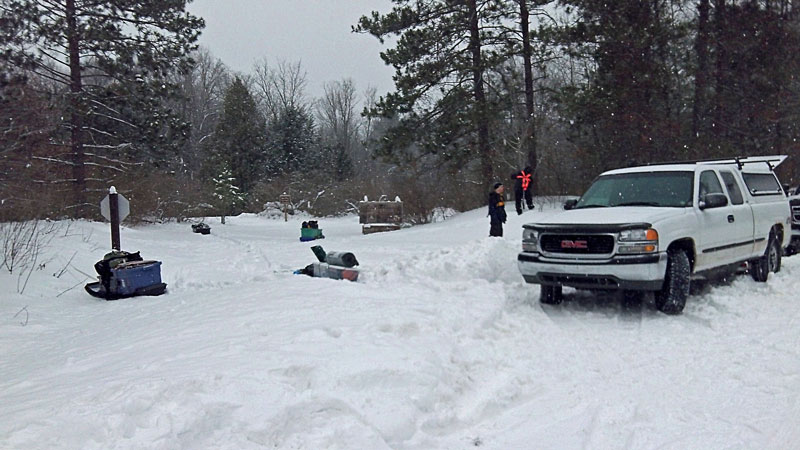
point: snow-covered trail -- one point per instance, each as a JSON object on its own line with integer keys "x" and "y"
{"x": 440, "y": 345}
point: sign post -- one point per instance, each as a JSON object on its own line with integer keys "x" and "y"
{"x": 285, "y": 199}
{"x": 115, "y": 208}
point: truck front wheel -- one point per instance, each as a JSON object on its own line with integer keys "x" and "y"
{"x": 672, "y": 297}
{"x": 550, "y": 295}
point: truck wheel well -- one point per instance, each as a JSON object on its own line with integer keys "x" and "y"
{"x": 687, "y": 245}
{"x": 777, "y": 230}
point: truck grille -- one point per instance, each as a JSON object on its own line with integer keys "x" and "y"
{"x": 577, "y": 244}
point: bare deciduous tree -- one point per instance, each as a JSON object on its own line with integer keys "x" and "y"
{"x": 336, "y": 114}
{"x": 281, "y": 87}
{"x": 204, "y": 87}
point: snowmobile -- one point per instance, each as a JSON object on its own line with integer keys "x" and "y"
{"x": 123, "y": 274}
{"x": 310, "y": 231}
{"x": 201, "y": 228}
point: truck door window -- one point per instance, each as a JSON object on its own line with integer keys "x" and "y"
{"x": 709, "y": 184}
{"x": 734, "y": 192}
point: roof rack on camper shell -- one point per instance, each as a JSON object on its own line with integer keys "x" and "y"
{"x": 740, "y": 161}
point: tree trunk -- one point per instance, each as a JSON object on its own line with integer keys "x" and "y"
{"x": 701, "y": 77}
{"x": 719, "y": 72}
{"x": 481, "y": 120}
{"x": 76, "y": 118}
{"x": 530, "y": 118}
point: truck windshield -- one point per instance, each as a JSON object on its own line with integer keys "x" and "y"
{"x": 660, "y": 189}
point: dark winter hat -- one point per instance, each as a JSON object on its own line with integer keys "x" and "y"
{"x": 497, "y": 185}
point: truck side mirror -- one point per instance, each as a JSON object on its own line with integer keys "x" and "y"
{"x": 569, "y": 204}
{"x": 713, "y": 201}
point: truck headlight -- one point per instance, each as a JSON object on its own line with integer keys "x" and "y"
{"x": 639, "y": 234}
{"x": 530, "y": 242}
{"x": 638, "y": 241}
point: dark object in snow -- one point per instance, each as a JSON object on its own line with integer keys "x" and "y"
{"x": 325, "y": 270}
{"x": 345, "y": 259}
{"x": 201, "y": 228}
{"x": 124, "y": 274}
{"x": 310, "y": 230}
{"x": 334, "y": 265}
{"x": 319, "y": 252}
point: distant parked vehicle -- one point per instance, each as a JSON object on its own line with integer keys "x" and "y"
{"x": 794, "y": 204}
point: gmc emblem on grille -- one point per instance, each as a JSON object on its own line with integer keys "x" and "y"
{"x": 574, "y": 244}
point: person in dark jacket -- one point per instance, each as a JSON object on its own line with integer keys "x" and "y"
{"x": 523, "y": 188}
{"x": 497, "y": 210}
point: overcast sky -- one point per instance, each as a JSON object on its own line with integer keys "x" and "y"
{"x": 314, "y": 32}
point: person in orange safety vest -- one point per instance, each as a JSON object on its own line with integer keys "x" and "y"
{"x": 523, "y": 188}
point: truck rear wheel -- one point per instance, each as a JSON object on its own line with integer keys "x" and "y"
{"x": 770, "y": 262}
{"x": 672, "y": 297}
{"x": 550, "y": 295}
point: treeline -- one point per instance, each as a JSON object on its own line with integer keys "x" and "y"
{"x": 95, "y": 94}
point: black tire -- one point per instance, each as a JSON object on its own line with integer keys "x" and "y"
{"x": 550, "y": 295}
{"x": 673, "y": 294}
{"x": 770, "y": 262}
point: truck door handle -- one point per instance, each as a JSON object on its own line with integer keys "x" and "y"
{"x": 731, "y": 218}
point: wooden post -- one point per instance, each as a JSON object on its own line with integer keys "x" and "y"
{"x": 285, "y": 199}
{"x": 113, "y": 206}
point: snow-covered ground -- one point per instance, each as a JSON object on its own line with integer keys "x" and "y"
{"x": 439, "y": 345}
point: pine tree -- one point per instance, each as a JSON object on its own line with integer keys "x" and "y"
{"x": 26, "y": 121}
{"x": 756, "y": 56}
{"x": 239, "y": 140}
{"x": 336, "y": 161}
{"x": 84, "y": 47}
{"x": 628, "y": 109}
{"x": 227, "y": 196}
{"x": 292, "y": 142}
{"x": 441, "y": 59}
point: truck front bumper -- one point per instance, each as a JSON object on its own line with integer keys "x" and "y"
{"x": 639, "y": 273}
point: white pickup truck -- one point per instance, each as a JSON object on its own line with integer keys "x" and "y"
{"x": 657, "y": 227}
